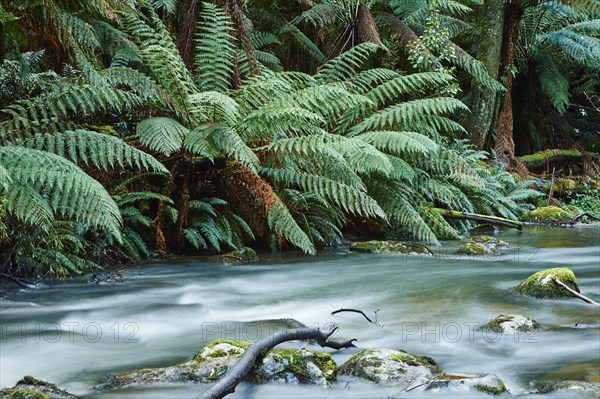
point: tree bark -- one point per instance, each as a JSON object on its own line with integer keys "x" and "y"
{"x": 484, "y": 100}
{"x": 505, "y": 146}
{"x": 238, "y": 371}
{"x": 236, "y": 14}
{"x": 186, "y": 32}
{"x": 366, "y": 26}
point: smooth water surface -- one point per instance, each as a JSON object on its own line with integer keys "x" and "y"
{"x": 75, "y": 334}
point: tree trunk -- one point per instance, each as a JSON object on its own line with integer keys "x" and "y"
{"x": 505, "y": 146}
{"x": 484, "y": 100}
{"x": 236, "y": 14}
{"x": 186, "y": 32}
{"x": 366, "y": 27}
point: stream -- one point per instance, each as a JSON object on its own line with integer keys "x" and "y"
{"x": 75, "y": 334}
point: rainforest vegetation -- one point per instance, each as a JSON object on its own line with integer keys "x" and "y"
{"x": 131, "y": 128}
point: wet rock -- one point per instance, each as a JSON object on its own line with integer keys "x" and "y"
{"x": 384, "y": 247}
{"x": 390, "y": 366}
{"x": 239, "y": 256}
{"x": 32, "y": 388}
{"x": 548, "y": 215}
{"x": 482, "y": 245}
{"x": 484, "y": 229}
{"x": 580, "y": 389}
{"x": 540, "y": 284}
{"x": 215, "y": 358}
{"x": 511, "y": 324}
{"x": 295, "y": 366}
{"x": 487, "y": 383}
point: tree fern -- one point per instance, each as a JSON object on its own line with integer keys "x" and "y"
{"x": 553, "y": 82}
{"x": 215, "y": 50}
{"x": 346, "y": 64}
{"x": 161, "y": 134}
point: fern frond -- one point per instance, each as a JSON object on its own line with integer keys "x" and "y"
{"x": 553, "y": 82}
{"x": 161, "y": 134}
{"x": 282, "y": 222}
{"x": 345, "y": 65}
{"x": 408, "y": 84}
{"x": 400, "y": 143}
{"x": 400, "y": 116}
{"x": 215, "y": 50}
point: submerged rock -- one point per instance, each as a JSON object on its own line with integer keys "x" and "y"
{"x": 215, "y": 358}
{"x": 488, "y": 383}
{"x": 32, "y": 388}
{"x": 384, "y": 247}
{"x": 548, "y": 215}
{"x": 540, "y": 284}
{"x": 482, "y": 245}
{"x": 383, "y": 365}
{"x": 511, "y": 324}
{"x": 240, "y": 256}
{"x": 580, "y": 389}
{"x": 484, "y": 229}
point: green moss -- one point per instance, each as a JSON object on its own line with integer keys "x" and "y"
{"x": 22, "y": 393}
{"x": 380, "y": 247}
{"x": 540, "y": 284}
{"x": 496, "y": 324}
{"x": 494, "y": 390}
{"x": 472, "y": 248}
{"x": 548, "y": 215}
{"x": 243, "y": 345}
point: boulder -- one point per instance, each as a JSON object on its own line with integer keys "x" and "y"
{"x": 239, "y": 256}
{"x": 511, "y": 324}
{"x": 215, "y": 358}
{"x": 383, "y": 365}
{"x": 540, "y": 284}
{"x": 388, "y": 247}
{"x": 487, "y": 383}
{"x": 548, "y": 215}
{"x": 484, "y": 229}
{"x": 572, "y": 389}
{"x": 482, "y": 245}
{"x": 32, "y": 388}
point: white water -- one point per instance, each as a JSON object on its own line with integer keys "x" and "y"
{"x": 429, "y": 306}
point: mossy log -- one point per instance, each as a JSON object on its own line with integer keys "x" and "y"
{"x": 541, "y": 160}
{"x": 447, "y": 213}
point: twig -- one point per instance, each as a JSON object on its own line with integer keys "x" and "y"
{"x": 408, "y": 388}
{"x": 362, "y": 313}
{"x": 572, "y": 291}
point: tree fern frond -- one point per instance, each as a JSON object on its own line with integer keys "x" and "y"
{"x": 282, "y": 222}
{"x": 345, "y": 65}
{"x": 399, "y": 116}
{"x": 408, "y": 84}
{"x": 215, "y": 50}
{"x": 214, "y": 106}
{"x": 553, "y": 82}
{"x": 400, "y": 143}
{"x": 96, "y": 148}
{"x": 161, "y": 134}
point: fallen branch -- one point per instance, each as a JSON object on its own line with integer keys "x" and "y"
{"x": 572, "y": 291}
{"x": 361, "y": 312}
{"x": 542, "y": 160}
{"x": 23, "y": 283}
{"x": 238, "y": 371}
{"x": 447, "y": 213}
{"x": 582, "y": 215}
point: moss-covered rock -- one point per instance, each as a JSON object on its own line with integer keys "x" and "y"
{"x": 240, "y": 256}
{"x": 484, "y": 229}
{"x": 32, "y": 388}
{"x": 385, "y": 247}
{"x": 487, "y": 383}
{"x": 295, "y": 366}
{"x": 575, "y": 389}
{"x": 215, "y": 358}
{"x": 548, "y": 215}
{"x": 481, "y": 245}
{"x": 511, "y": 324}
{"x": 383, "y": 365}
{"x": 540, "y": 284}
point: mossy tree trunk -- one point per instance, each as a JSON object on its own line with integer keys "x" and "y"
{"x": 490, "y": 17}
{"x": 505, "y": 145}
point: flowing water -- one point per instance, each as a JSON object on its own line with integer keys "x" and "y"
{"x": 75, "y": 334}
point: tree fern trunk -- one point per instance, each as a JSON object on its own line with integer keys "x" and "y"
{"x": 367, "y": 29}
{"x": 186, "y": 31}
{"x": 236, "y": 14}
{"x": 484, "y": 103}
{"x": 505, "y": 146}
{"x": 183, "y": 208}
